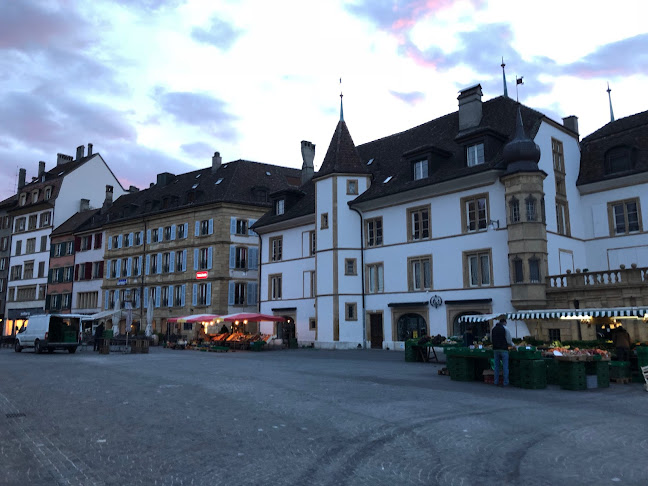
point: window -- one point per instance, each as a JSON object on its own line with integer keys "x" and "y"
{"x": 276, "y": 245}
{"x": 3, "y": 284}
{"x": 618, "y": 160}
{"x": 180, "y": 261}
{"x": 351, "y": 311}
{"x": 23, "y": 199}
{"x": 68, "y": 274}
{"x": 4, "y": 245}
{"x": 554, "y": 335}
{"x": 87, "y": 300}
{"x": 69, "y": 248}
{"x": 113, "y": 269}
{"x": 124, "y": 267}
{"x": 29, "y": 293}
{"x": 3, "y": 263}
{"x": 164, "y": 297}
{"x": 241, "y": 226}
{"x": 153, "y": 263}
{"x": 115, "y": 242}
{"x": 34, "y": 197}
{"x": 324, "y": 221}
{"x": 531, "y": 212}
{"x": 419, "y": 223}
{"x": 166, "y": 262}
{"x": 624, "y": 216}
{"x": 562, "y": 217}
{"x": 350, "y": 267}
{"x": 177, "y": 295}
{"x": 29, "y": 270}
{"x": 45, "y": 219}
{"x": 475, "y": 154}
{"x": 309, "y": 284}
{"x": 475, "y": 213}
{"x": 240, "y": 296}
{"x": 167, "y": 233}
{"x": 558, "y": 155}
{"x": 274, "y": 287}
{"x": 127, "y": 240}
{"x": 514, "y": 210}
{"x": 33, "y": 220}
{"x": 182, "y": 233}
{"x": 138, "y": 238}
{"x": 86, "y": 243}
{"x": 204, "y": 227}
{"x": 279, "y": 206}
{"x": 420, "y": 273}
{"x": 240, "y": 261}
{"x": 375, "y": 278}
{"x": 203, "y": 294}
{"x": 31, "y": 246}
{"x": 518, "y": 271}
{"x": 534, "y": 270}
{"x": 41, "y": 269}
{"x": 203, "y": 258}
{"x": 48, "y": 193}
{"x": 155, "y": 235}
{"x": 16, "y": 272}
{"x": 374, "y": 232}
{"x": 20, "y": 224}
{"x": 477, "y": 268}
{"x": 312, "y": 324}
{"x": 560, "y": 185}
{"x": 18, "y": 247}
{"x": 420, "y": 169}
{"x": 352, "y": 187}
{"x": 137, "y": 266}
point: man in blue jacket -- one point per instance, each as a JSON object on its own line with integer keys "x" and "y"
{"x": 501, "y": 338}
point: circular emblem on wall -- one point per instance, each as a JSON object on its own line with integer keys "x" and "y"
{"x": 436, "y": 301}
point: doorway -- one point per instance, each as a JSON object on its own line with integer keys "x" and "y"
{"x": 376, "y": 331}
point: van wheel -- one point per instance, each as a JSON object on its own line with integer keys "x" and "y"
{"x": 37, "y": 347}
{"x": 72, "y": 350}
{"x": 17, "y": 346}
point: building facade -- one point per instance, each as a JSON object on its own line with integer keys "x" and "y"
{"x": 6, "y": 227}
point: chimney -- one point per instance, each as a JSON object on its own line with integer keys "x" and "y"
{"x": 470, "y": 107}
{"x": 63, "y": 159}
{"x": 571, "y": 122}
{"x": 22, "y": 173}
{"x": 216, "y": 161}
{"x": 84, "y": 205}
{"x": 89, "y": 149}
{"x": 132, "y": 189}
{"x": 80, "y": 151}
{"x": 41, "y": 168}
{"x": 308, "y": 154}
{"x": 109, "y": 198}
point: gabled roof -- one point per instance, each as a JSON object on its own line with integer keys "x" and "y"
{"x": 342, "y": 156}
{"x": 74, "y": 222}
{"x": 630, "y": 132}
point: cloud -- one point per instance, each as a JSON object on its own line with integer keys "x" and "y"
{"x": 150, "y": 5}
{"x": 200, "y": 110}
{"x": 199, "y": 150}
{"x": 219, "y": 33}
{"x": 411, "y": 98}
{"x": 612, "y": 60}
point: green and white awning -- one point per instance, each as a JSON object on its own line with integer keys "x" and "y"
{"x": 637, "y": 312}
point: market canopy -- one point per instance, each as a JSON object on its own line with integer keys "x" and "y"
{"x": 252, "y": 316}
{"x": 638, "y": 312}
{"x": 195, "y": 318}
{"x": 101, "y": 315}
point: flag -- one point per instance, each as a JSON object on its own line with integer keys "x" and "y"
{"x": 519, "y": 80}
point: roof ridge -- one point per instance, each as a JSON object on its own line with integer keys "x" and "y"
{"x": 616, "y": 123}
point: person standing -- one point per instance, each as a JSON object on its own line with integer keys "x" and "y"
{"x": 98, "y": 337}
{"x": 621, "y": 340}
{"x": 501, "y": 338}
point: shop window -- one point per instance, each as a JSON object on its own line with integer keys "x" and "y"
{"x": 554, "y": 335}
{"x": 410, "y": 326}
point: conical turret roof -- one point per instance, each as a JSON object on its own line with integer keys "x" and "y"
{"x": 342, "y": 156}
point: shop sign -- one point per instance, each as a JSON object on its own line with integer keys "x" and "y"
{"x": 201, "y": 275}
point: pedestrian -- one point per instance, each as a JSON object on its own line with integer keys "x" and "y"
{"x": 621, "y": 340}
{"x": 469, "y": 336}
{"x": 501, "y": 338}
{"x": 98, "y": 337}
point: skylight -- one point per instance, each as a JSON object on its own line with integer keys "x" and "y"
{"x": 370, "y": 161}
{"x": 197, "y": 176}
{"x": 61, "y": 173}
{"x": 219, "y": 181}
{"x": 268, "y": 173}
{"x": 194, "y": 186}
{"x": 388, "y": 179}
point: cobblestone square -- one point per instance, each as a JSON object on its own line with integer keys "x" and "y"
{"x": 303, "y": 417}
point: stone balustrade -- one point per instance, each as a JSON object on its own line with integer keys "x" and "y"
{"x": 602, "y": 278}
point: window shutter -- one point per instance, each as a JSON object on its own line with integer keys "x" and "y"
{"x": 120, "y": 241}
{"x": 182, "y": 296}
{"x": 194, "y": 295}
{"x": 230, "y": 295}
{"x": 49, "y": 276}
{"x": 232, "y": 262}
{"x": 48, "y": 298}
{"x": 146, "y": 296}
{"x": 232, "y": 226}
{"x": 148, "y": 264}
{"x": 195, "y": 258}
{"x": 136, "y": 292}
{"x": 186, "y": 229}
{"x": 106, "y": 299}
{"x": 209, "y": 258}
{"x": 108, "y": 268}
{"x": 184, "y": 260}
{"x": 109, "y": 243}
{"x": 141, "y": 236}
{"x": 170, "y": 294}
{"x": 76, "y": 272}
{"x": 159, "y": 263}
{"x": 98, "y": 240}
{"x": 148, "y": 236}
{"x": 129, "y": 266}
{"x": 160, "y": 234}
{"x": 59, "y": 275}
{"x": 173, "y": 231}
{"x": 211, "y": 225}
{"x": 158, "y": 296}
{"x": 250, "y": 231}
{"x": 253, "y": 258}
{"x": 197, "y": 228}
{"x": 209, "y": 293}
{"x": 118, "y": 268}
{"x": 172, "y": 261}
{"x": 77, "y": 243}
{"x": 101, "y": 269}
{"x": 131, "y": 239}
{"x": 88, "y": 270}
{"x": 252, "y": 293}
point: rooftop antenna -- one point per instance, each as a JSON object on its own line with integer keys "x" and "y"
{"x": 610, "y": 98}
{"x": 518, "y": 82}
{"x": 341, "y": 112}
{"x": 504, "y": 78}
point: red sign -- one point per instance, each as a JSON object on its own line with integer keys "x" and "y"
{"x": 201, "y": 275}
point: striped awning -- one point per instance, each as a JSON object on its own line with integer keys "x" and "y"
{"x": 638, "y": 312}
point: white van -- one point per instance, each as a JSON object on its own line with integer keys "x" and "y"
{"x": 49, "y": 332}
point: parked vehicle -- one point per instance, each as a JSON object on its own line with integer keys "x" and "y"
{"x": 48, "y": 332}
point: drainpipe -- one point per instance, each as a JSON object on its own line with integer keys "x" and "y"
{"x": 259, "y": 274}
{"x": 364, "y": 316}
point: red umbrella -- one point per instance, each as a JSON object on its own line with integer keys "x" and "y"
{"x": 252, "y": 316}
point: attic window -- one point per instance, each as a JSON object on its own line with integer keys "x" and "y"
{"x": 61, "y": 173}
{"x": 475, "y": 154}
{"x": 388, "y": 179}
{"x": 219, "y": 181}
{"x": 197, "y": 176}
{"x": 268, "y": 173}
{"x": 617, "y": 160}
{"x": 370, "y": 161}
{"x": 420, "y": 169}
{"x": 279, "y": 206}
{"x": 194, "y": 186}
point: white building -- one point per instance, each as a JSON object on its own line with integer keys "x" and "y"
{"x": 49, "y": 200}
{"x": 461, "y": 215}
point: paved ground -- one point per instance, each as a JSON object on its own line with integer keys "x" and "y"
{"x": 303, "y": 417}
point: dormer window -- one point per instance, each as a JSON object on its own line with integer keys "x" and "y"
{"x": 420, "y": 169}
{"x": 34, "y": 197}
{"x": 48, "y": 193}
{"x": 23, "y": 199}
{"x": 475, "y": 154}
{"x": 279, "y": 206}
{"x": 618, "y": 160}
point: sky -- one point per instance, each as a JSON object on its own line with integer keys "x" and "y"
{"x": 160, "y": 85}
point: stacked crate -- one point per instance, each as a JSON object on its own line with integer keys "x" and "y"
{"x": 533, "y": 374}
{"x": 461, "y": 369}
{"x": 571, "y": 375}
{"x": 552, "y": 371}
{"x": 602, "y": 371}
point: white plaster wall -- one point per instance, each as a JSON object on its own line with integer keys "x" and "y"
{"x": 348, "y": 220}
{"x": 349, "y": 284}
{"x": 324, "y": 204}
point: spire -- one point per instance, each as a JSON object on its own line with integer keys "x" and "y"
{"x": 504, "y": 78}
{"x": 341, "y": 111}
{"x": 610, "y": 98}
{"x": 521, "y": 154}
